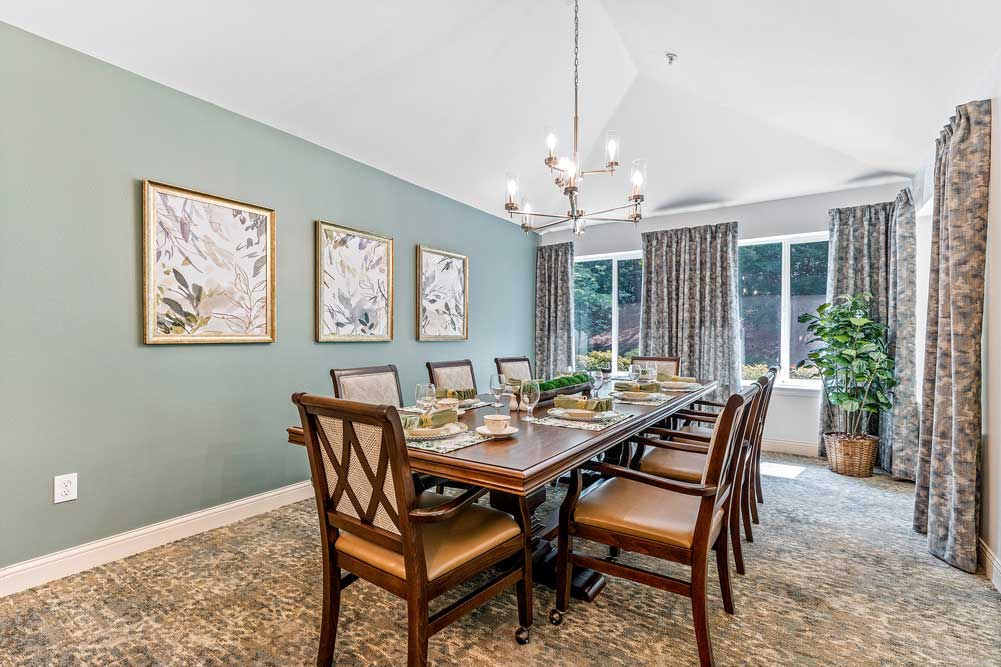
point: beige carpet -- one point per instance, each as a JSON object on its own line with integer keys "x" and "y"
{"x": 836, "y": 577}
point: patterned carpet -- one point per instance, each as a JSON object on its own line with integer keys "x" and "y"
{"x": 836, "y": 577}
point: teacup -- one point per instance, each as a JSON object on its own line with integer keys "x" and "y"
{"x": 448, "y": 404}
{"x": 496, "y": 423}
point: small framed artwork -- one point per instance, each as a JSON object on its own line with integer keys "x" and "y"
{"x": 208, "y": 268}
{"x": 354, "y": 285}
{"x": 442, "y": 295}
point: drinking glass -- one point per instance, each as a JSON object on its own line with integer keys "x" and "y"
{"x": 530, "y": 397}
{"x": 597, "y": 381}
{"x": 498, "y": 387}
{"x": 425, "y": 396}
{"x": 634, "y": 372}
{"x": 568, "y": 371}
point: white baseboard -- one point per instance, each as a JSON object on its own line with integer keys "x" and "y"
{"x": 992, "y": 564}
{"x": 789, "y": 447}
{"x": 37, "y": 571}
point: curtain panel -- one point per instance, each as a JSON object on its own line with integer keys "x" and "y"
{"x": 947, "y": 489}
{"x": 689, "y": 306}
{"x": 553, "y": 308}
{"x": 872, "y": 249}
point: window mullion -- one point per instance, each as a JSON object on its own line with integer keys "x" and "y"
{"x": 615, "y": 314}
{"x": 786, "y": 326}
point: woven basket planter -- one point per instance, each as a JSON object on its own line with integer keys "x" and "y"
{"x": 851, "y": 455}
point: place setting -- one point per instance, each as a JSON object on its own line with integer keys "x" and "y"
{"x": 577, "y": 411}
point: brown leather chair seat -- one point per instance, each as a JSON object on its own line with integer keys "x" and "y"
{"x": 674, "y": 464}
{"x": 447, "y": 544}
{"x": 624, "y": 506}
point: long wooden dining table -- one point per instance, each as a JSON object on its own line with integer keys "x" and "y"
{"x": 523, "y": 466}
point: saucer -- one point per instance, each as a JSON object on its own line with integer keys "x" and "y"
{"x": 498, "y": 435}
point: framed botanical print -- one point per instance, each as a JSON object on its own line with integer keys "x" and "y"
{"x": 354, "y": 284}
{"x": 442, "y": 295}
{"x": 208, "y": 268}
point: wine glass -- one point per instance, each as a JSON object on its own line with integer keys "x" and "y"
{"x": 568, "y": 371}
{"x": 426, "y": 397}
{"x": 498, "y": 387}
{"x": 597, "y": 381}
{"x": 530, "y": 397}
{"x": 634, "y": 372}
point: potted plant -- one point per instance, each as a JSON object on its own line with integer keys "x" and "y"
{"x": 856, "y": 368}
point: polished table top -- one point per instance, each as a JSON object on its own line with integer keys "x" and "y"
{"x": 538, "y": 453}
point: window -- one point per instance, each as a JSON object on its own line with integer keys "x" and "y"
{"x": 607, "y": 291}
{"x": 780, "y": 279}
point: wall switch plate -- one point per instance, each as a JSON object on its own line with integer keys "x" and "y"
{"x": 64, "y": 488}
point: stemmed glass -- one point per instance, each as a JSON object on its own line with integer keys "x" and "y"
{"x": 634, "y": 372}
{"x": 530, "y": 397}
{"x": 426, "y": 397}
{"x": 597, "y": 381}
{"x": 498, "y": 387}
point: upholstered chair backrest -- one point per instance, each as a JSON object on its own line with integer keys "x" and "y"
{"x": 378, "y": 385}
{"x": 514, "y": 368}
{"x": 452, "y": 374}
{"x": 664, "y": 365}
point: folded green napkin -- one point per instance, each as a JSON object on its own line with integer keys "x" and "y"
{"x": 461, "y": 394}
{"x": 436, "y": 419}
{"x": 581, "y": 403}
{"x": 667, "y": 377}
{"x": 649, "y": 387}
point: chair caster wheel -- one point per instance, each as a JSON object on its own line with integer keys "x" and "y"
{"x": 522, "y": 635}
{"x": 555, "y": 616}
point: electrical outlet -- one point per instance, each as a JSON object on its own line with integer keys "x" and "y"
{"x": 64, "y": 488}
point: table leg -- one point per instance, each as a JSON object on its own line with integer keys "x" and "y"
{"x": 586, "y": 584}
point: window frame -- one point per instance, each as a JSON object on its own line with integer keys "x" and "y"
{"x": 787, "y": 241}
{"x": 615, "y": 257}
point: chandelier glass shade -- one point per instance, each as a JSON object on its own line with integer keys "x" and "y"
{"x": 568, "y": 173}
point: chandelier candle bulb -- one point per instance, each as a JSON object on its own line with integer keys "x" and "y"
{"x": 638, "y": 179}
{"x": 613, "y": 148}
{"x": 512, "y": 192}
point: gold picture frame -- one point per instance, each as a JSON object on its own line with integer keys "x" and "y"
{"x": 437, "y": 301}
{"x": 361, "y": 265}
{"x": 208, "y": 268}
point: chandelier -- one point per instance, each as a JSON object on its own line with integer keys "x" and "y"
{"x": 569, "y": 175}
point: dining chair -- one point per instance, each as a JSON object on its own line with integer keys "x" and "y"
{"x": 375, "y": 525}
{"x": 749, "y": 511}
{"x": 514, "y": 368}
{"x": 666, "y": 365}
{"x": 664, "y": 518}
{"x": 452, "y": 374}
{"x": 683, "y": 456}
{"x": 379, "y": 385}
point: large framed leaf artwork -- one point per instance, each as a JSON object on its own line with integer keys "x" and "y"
{"x": 208, "y": 268}
{"x": 354, "y": 285}
{"x": 442, "y": 295}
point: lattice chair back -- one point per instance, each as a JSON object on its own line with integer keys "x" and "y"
{"x": 360, "y": 469}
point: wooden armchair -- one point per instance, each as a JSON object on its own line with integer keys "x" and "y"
{"x": 683, "y": 455}
{"x": 452, "y": 374}
{"x": 676, "y": 521}
{"x": 374, "y": 524}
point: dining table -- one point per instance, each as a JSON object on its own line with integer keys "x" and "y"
{"x": 521, "y": 468}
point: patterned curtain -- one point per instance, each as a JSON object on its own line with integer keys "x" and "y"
{"x": 690, "y": 308}
{"x": 553, "y": 309}
{"x": 946, "y": 497}
{"x": 872, "y": 250}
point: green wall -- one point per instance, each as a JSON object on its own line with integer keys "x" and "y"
{"x": 159, "y": 431}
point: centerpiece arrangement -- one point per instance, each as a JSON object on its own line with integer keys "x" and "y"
{"x": 550, "y": 389}
{"x": 856, "y": 367}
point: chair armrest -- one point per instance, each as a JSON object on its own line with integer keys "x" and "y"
{"x": 668, "y": 433}
{"x": 670, "y": 444}
{"x": 660, "y": 482}
{"x": 695, "y": 415}
{"x": 446, "y": 510}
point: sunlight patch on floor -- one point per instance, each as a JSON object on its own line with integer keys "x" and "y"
{"x": 780, "y": 470}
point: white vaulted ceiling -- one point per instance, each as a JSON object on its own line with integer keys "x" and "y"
{"x": 768, "y": 99}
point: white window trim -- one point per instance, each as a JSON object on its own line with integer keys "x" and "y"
{"x": 787, "y": 240}
{"x": 615, "y": 257}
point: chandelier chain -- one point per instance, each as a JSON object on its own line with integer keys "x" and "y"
{"x": 576, "y": 52}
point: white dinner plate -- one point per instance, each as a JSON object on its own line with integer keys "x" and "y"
{"x": 446, "y": 431}
{"x": 580, "y": 416}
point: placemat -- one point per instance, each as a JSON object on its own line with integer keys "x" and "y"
{"x": 446, "y": 445}
{"x": 659, "y": 401}
{"x": 583, "y": 426}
